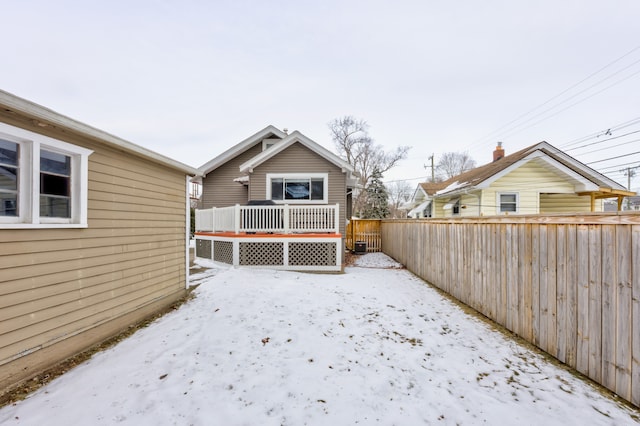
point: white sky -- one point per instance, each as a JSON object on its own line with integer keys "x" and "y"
{"x": 189, "y": 79}
{"x": 369, "y": 347}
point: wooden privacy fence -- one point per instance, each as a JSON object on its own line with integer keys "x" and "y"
{"x": 367, "y": 230}
{"x": 568, "y": 284}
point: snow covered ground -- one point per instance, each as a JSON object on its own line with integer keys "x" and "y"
{"x": 373, "y": 346}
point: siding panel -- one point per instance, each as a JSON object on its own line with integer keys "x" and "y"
{"x": 56, "y": 283}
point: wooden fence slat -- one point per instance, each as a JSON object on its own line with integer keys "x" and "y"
{"x": 595, "y": 303}
{"x": 544, "y": 290}
{"x": 513, "y": 287}
{"x": 609, "y": 277}
{"x": 624, "y": 326}
{"x": 525, "y": 280}
{"x": 367, "y": 230}
{"x": 535, "y": 284}
{"x": 561, "y": 292}
{"x": 635, "y": 314}
{"x": 582, "y": 294}
{"x": 571, "y": 281}
{"x": 570, "y": 285}
{"x": 552, "y": 296}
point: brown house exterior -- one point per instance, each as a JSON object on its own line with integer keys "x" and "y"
{"x": 275, "y": 200}
{"x": 245, "y": 172}
{"x": 93, "y": 236}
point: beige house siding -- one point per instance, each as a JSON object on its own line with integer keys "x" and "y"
{"x": 527, "y": 181}
{"x": 299, "y": 159}
{"x": 218, "y": 187}
{"x": 63, "y": 290}
{"x": 438, "y": 205}
{"x": 560, "y": 203}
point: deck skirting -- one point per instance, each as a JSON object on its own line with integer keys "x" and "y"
{"x": 293, "y": 252}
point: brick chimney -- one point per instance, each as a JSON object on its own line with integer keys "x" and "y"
{"x": 499, "y": 152}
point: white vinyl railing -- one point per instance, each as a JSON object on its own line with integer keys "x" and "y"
{"x": 284, "y": 219}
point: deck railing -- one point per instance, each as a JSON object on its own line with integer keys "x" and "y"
{"x": 284, "y": 219}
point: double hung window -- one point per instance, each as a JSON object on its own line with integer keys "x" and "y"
{"x": 508, "y": 202}
{"x": 43, "y": 181}
{"x": 295, "y": 188}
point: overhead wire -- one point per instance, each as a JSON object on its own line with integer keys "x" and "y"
{"x": 602, "y": 141}
{"x": 497, "y": 131}
{"x": 608, "y": 131}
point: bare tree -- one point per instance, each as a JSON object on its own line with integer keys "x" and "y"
{"x": 353, "y": 143}
{"x": 399, "y": 193}
{"x": 454, "y": 163}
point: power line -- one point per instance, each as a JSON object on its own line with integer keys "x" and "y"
{"x": 603, "y": 140}
{"x": 493, "y": 133}
{"x": 609, "y": 131}
{"x": 613, "y": 158}
{"x": 617, "y": 166}
{"x": 567, "y": 107}
{"x": 609, "y": 147}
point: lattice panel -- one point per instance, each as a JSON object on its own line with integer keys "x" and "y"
{"x": 261, "y": 254}
{"x": 312, "y": 254}
{"x": 203, "y": 249}
{"x": 223, "y": 252}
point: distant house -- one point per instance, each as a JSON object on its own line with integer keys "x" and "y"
{"x": 633, "y": 203}
{"x": 536, "y": 180}
{"x": 305, "y": 192}
{"x": 93, "y": 236}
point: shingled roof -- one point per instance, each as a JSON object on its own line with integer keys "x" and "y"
{"x": 474, "y": 179}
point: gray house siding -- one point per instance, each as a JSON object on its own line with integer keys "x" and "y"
{"x": 299, "y": 159}
{"x": 218, "y": 187}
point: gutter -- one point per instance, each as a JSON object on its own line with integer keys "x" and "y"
{"x": 44, "y": 117}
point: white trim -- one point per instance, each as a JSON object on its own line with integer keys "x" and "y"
{"x": 499, "y": 202}
{"x": 188, "y": 230}
{"x": 240, "y": 148}
{"x": 418, "y": 211}
{"x": 337, "y": 240}
{"x": 269, "y": 142}
{"x": 325, "y": 190}
{"x": 580, "y": 182}
{"x": 586, "y": 169}
{"x": 31, "y": 145}
{"x": 290, "y": 140}
{"x": 45, "y": 117}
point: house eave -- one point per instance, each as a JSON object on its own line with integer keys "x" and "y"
{"x": 45, "y": 118}
{"x": 294, "y": 137}
{"x": 607, "y": 193}
{"x": 239, "y": 148}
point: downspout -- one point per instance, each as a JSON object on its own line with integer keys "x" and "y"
{"x": 187, "y": 231}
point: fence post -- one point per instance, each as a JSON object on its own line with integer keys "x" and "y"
{"x": 236, "y": 219}
{"x": 285, "y": 219}
{"x": 336, "y": 224}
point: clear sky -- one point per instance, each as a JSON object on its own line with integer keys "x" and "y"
{"x": 189, "y": 78}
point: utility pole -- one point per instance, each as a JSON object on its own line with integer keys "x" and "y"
{"x": 433, "y": 169}
{"x": 629, "y": 173}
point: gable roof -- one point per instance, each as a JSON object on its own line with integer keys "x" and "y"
{"x": 431, "y": 188}
{"x": 46, "y": 118}
{"x": 296, "y": 137}
{"x": 584, "y": 177}
{"x": 241, "y": 147}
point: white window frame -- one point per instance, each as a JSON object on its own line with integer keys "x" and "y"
{"x": 325, "y": 188}
{"x": 499, "y": 202}
{"x": 30, "y": 145}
